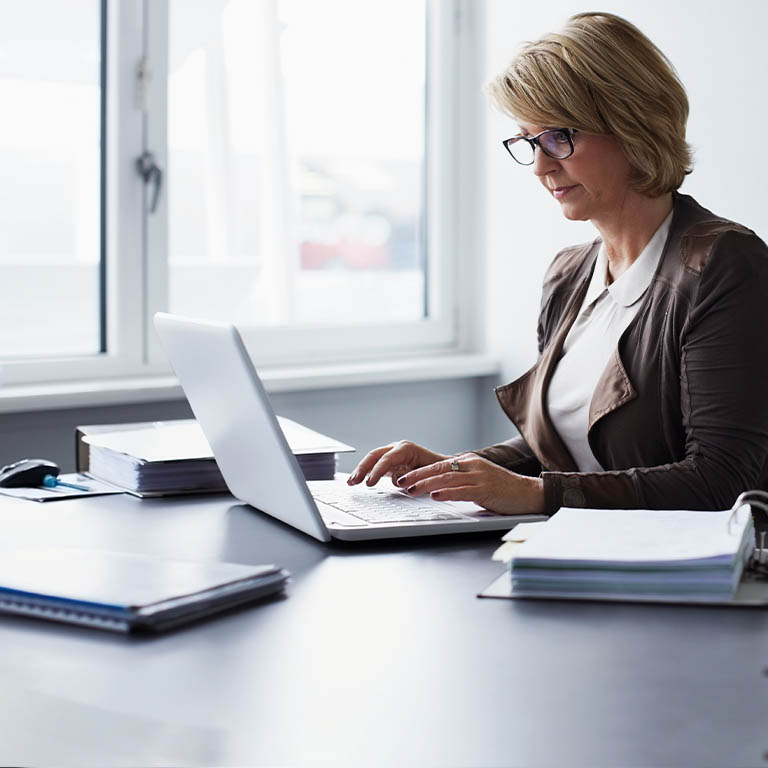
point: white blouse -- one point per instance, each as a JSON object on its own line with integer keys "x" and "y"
{"x": 604, "y": 315}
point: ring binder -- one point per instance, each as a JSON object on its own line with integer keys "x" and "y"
{"x": 596, "y": 554}
{"x": 755, "y": 562}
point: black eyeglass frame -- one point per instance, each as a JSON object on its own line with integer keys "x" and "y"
{"x": 535, "y": 141}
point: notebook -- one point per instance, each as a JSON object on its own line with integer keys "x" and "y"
{"x": 122, "y": 592}
{"x": 232, "y": 407}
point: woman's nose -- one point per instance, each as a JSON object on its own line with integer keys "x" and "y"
{"x": 543, "y": 163}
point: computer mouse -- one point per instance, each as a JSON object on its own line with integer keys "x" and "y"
{"x": 27, "y": 473}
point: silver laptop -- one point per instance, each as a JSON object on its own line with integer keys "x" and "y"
{"x": 233, "y": 410}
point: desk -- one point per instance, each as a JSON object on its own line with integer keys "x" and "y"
{"x": 379, "y": 655}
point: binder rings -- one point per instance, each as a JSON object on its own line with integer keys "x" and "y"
{"x": 122, "y": 592}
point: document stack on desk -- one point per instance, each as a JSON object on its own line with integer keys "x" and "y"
{"x": 619, "y": 554}
{"x": 155, "y": 459}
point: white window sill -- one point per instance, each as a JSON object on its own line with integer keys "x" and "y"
{"x": 84, "y": 394}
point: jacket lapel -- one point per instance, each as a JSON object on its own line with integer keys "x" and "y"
{"x": 613, "y": 390}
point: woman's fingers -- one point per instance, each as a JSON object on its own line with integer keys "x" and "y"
{"x": 396, "y": 460}
{"x": 459, "y": 493}
{"x": 445, "y": 467}
{"x": 367, "y": 464}
{"x": 396, "y": 472}
{"x": 438, "y": 482}
{"x": 452, "y": 478}
{"x": 468, "y": 478}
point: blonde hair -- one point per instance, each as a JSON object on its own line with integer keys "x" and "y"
{"x": 601, "y": 74}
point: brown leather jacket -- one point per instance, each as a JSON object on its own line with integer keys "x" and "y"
{"x": 679, "y": 417}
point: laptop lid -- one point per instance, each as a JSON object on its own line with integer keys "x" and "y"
{"x": 234, "y": 412}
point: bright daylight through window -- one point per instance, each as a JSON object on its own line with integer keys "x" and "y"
{"x": 307, "y": 157}
{"x": 50, "y": 154}
{"x": 296, "y": 139}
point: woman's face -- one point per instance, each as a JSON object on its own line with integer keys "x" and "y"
{"x": 591, "y": 184}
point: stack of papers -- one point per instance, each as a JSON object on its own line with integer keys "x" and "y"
{"x": 636, "y": 554}
{"x": 175, "y": 457}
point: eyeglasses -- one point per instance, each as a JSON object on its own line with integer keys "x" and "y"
{"x": 557, "y": 143}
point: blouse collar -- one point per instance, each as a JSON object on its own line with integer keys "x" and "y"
{"x": 634, "y": 281}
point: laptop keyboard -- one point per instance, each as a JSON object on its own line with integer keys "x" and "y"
{"x": 375, "y": 506}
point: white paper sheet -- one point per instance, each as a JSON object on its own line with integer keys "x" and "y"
{"x": 185, "y": 440}
{"x": 641, "y": 537}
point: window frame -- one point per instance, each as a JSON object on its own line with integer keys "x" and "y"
{"x": 136, "y": 262}
{"x": 121, "y": 219}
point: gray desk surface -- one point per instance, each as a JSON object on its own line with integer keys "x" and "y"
{"x": 379, "y": 655}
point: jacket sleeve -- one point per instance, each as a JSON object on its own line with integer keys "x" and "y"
{"x": 515, "y": 455}
{"x": 724, "y": 398}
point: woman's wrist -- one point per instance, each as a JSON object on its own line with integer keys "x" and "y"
{"x": 535, "y": 495}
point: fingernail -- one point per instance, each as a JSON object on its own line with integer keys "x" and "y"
{"x": 368, "y": 480}
{"x": 401, "y": 480}
{"x": 410, "y": 488}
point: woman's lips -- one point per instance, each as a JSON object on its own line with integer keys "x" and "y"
{"x": 560, "y": 192}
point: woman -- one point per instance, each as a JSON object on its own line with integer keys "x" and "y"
{"x": 651, "y": 386}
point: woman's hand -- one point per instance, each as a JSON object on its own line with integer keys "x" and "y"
{"x": 478, "y": 480}
{"x": 395, "y": 460}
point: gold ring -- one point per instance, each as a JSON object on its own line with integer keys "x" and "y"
{"x": 455, "y": 465}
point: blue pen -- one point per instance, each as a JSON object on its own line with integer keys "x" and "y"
{"x": 49, "y": 481}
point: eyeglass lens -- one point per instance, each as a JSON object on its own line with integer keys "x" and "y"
{"x": 556, "y": 144}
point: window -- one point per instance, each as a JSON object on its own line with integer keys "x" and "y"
{"x": 306, "y": 153}
{"x": 50, "y": 201}
{"x": 295, "y": 176}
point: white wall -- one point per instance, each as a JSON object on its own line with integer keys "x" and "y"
{"x": 719, "y": 51}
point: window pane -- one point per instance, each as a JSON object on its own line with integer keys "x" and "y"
{"x": 296, "y": 154}
{"x": 50, "y": 136}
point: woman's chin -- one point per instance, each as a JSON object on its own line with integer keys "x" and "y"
{"x": 573, "y": 212}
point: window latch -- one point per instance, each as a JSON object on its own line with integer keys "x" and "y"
{"x": 151, "y": 173}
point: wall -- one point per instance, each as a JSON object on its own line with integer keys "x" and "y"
{"x": 719, "y": 53}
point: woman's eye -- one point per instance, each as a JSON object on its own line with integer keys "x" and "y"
{"x": 560, "y": 137}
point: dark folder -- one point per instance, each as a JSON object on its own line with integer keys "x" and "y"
{"x": 122, "y": 592}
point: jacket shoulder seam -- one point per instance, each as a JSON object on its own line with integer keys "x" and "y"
{"x": 699, "y": 240}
